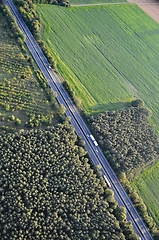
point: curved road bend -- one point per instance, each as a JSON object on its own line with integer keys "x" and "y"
{"x": 81, "y": 128}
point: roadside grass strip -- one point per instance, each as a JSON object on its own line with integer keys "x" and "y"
{"x": 147, "y": 186}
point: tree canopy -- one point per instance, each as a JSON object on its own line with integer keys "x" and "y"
{"x": 49, "y": 191}
{"x": 127, "y": 137}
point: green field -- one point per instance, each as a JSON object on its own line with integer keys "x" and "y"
{"x": 94, "y": 1}
{"x": 147, "y": 185}
{"x": 109, "y": 54}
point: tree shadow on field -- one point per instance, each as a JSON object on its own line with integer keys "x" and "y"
{"x": 99, "y": 108}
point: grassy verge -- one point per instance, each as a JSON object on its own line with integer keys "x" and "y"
{"x": 146, "y": 185}
{"x": 108, "y": 54}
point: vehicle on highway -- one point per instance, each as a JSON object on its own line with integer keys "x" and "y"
{"x": 49, "y": 66}
{"x": 81, "y": 128}
{"x": 93, "y": 140}
{"x": 107, "y": 182}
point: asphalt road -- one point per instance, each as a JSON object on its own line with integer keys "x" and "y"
{"x": 81, "y": 128}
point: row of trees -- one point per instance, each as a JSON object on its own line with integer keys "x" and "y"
{"x": 58, "y": 2}
{"x": 140, "y": 206}
{"x": 18, "y": 34}
{"x": 72, "y": 94}
{"x": 32, "y": 19}
{"x": 127, "y": 138}
{"x": 49, "y": 191}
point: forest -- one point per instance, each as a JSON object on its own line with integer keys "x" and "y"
{"x": 49, "y": 191}
{"x": 26, "y": 99}
{"x": 47, "y": 180}
{"x": 127, "y": 137}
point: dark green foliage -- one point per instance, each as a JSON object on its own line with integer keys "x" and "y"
{"x": 18, "y": 121}
{"x": 137, "y": 103}
{"x": 60, "y": 2}
{"x": 49, "y": 191}
{"x": 156, "y": 235}
{"x": 33, "y": 21}
{"x": 71, "y": 93}
{"x": 29, "y": 97}
{"x": 39, "y": 120}
{"x": 127, "y": 138}
{"x": 18, "y": 34}
{"x": 128, "y": 231}
{"x": 139, "y": 204}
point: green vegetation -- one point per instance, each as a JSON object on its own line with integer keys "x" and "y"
{"x": 57, "y": 2}
{"x": 140, "y": 206}
{"x": 17, "y": 33}
{"x": 127, "y": 138}
{"x": 27, "y": 11}
{"x": 146, "y": 185}
{"x": 130, "y": 144}
{"x": 109, "y": 54}
{"x": 49, "y": 191}
{"x": 24, "y": 97}
{"x": 94, "y": 1}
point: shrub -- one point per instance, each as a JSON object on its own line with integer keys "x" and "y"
{"x": 18, "y": 121}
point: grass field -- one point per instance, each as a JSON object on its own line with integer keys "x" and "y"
{"x": 109, "y": 54}
{"x": 147, "y": 186}
{"x": 20, "y": 92}
{"x": 94, "y": 1}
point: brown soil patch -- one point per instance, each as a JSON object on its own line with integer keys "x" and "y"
{"x": 151, "y": 7}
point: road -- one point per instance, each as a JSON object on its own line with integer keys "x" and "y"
{"x": 81, "y": 128}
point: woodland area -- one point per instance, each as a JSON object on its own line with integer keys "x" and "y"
{"x": 47, "y": 188}
{"x": 126, "y": 137}
{"x": 26, "y": 99}
{"x": 49, "y": 191}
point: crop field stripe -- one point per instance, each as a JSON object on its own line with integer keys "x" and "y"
{"x": 105, "y": 53}
{"x": 82, "y": 87}
{"x": 94, "y": 1}
{"x": 108, "y": 64}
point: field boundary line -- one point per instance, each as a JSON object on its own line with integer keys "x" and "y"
{"x": 115, "y": 3}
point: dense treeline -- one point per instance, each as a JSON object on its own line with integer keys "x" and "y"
{"x": 58, "y": 2}
{"x": 49, "y": 191}
{"x": 140, "y": 206}
{"x": 33, "y": 21}
{"x": 72, "y": 94}
{"x": 18, "y": 34}
{"x": 127, "y": 138}
{"x": 30, "y": 16}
